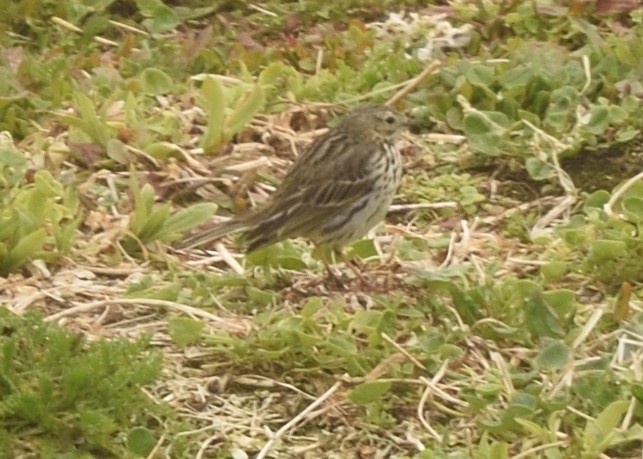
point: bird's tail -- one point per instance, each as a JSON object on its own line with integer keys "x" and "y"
{"x": 202, "y": 237}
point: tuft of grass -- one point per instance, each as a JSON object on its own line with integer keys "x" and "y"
{"x": 61, "y": 394}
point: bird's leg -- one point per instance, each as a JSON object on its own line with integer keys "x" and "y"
{"x": 331, "y": 274}
{"x": 391, "y": 259}
{"x": 353, "y": 267}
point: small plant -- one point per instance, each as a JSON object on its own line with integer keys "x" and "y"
{"x": 38, "y": 217}
{"x": 57, "y": 390}
{"x": 151, "y": 222}
{"x": 228, "y": 110}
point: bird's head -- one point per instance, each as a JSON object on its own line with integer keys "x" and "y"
{"x": 374, "y": 122}
{"x": 377, "y": 122}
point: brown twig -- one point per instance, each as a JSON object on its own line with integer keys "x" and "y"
{"x": 432, "y": 67}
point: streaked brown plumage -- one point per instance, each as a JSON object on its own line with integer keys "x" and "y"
{"x": 335, "y": 191}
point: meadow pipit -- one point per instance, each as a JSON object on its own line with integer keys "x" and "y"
{"x": 335, "y": 191}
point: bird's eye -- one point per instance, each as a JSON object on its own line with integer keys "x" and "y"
{"x": 390, "y": 119}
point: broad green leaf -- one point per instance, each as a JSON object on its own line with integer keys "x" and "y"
{"x": 147, "y": 7}
{"x": 27, "y": 248}
{"x": 187, "y": 218}
{"x": 364, "y": 248}
{"x": 598, "y": 120}
{"x": 65, "y": 234}
{"x": 140, "y": 441}
{"x": 611, "y": 416}
{"x": 278, "y": 76}
{"x": 633, "y": 208}
{"x": 185, "y": 331}
{"x": 154, "y": 223}
{"x": 342, "y": 345}
{"x": 450, "y": 351}
{"x": 307, "y": 340}
{"x": 485, "y": 131}
{"x": 540, "y": 319}
{"x": 597, "y": 199}
{"x": 246, "y": 109}
{"x": 626, "y": 134}
{"x": 562, "y": 301}
{"x": 89, "y": 121}
{"x": 538, "y": 169}
{"x": 13, "y": 166}
{"x": 480, "y": 75}
{"x": 212, "y": 100}
{"x": 46, "y": 184}
{"x": 261, "y": 297}
{"x": 290, "y": 263}
{"x": 606, "y": 249}
{"x": 516, "y": 76}
{"x": 163, "y": 19}
{"x": 553, "y": 357}
{"x": 637, "y": 391}
{"x": 117, "y": 151}
{"x": 499, "y": 450}
{"x": 554, "y": 270}
{"x": 311, "y": 306}
{"x": 533, "y": 428}
{"x": 369, "y": 392}
{"x": 156, "y": 82}
{"x": 161, "y": 150}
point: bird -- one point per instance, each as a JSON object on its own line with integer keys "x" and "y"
{"x": 334, "y": 192}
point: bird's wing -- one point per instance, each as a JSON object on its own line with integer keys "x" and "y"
{"x": 332, "y": 156}
{"x": 305, "y": 211}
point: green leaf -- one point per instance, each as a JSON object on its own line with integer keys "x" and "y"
{"x": 605, "y": 250}
{"x": 251, "y": 104}
{"x": 485, "y": 131}
{"x": 540, "y": 318}
{"x": 517, "y": 76}
{"x": 161, "y": 19}
{"x": 553, "y": 357}
{"x": 637, "y": 391}
{"x": 155, "y": 82}
{"x": 13, "y": 166}
{"x": 185, "y": 331}
{"x": 369, "y": 392}
{"x": 598, "y": 121}
{"x": 291, "y": 263}
{"x": 602, "y": 433}
{"x": 554, "y": 270}
{"x": 562, "y": 301}
{"x": 611, "y": 416}
{"x": 364, "y": 248}
{"x": 187, "y": 218}
{"x": 633, "y": 208}
{"x": 47, "y": 185}
{"x": 89, "y": 121}
{"x": 499, "y": 450}
{"x": 311, "y": 306}
{"x": 140, "y": 441}
{"x": 597, "y": 199}
{"x": 538, "y": 169}
{"x": 626, "y": 134}
{"x": 26, "y": 248}
{"x": 143, "y": 203}
{"x": 212, "y": 100}
{"x": 117, "y": 151}
{"x": 161, "y": 150}
{"x": 480, "y": 75}
{"x": 154, "y": 224}
{"x": 261, "y": 297}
